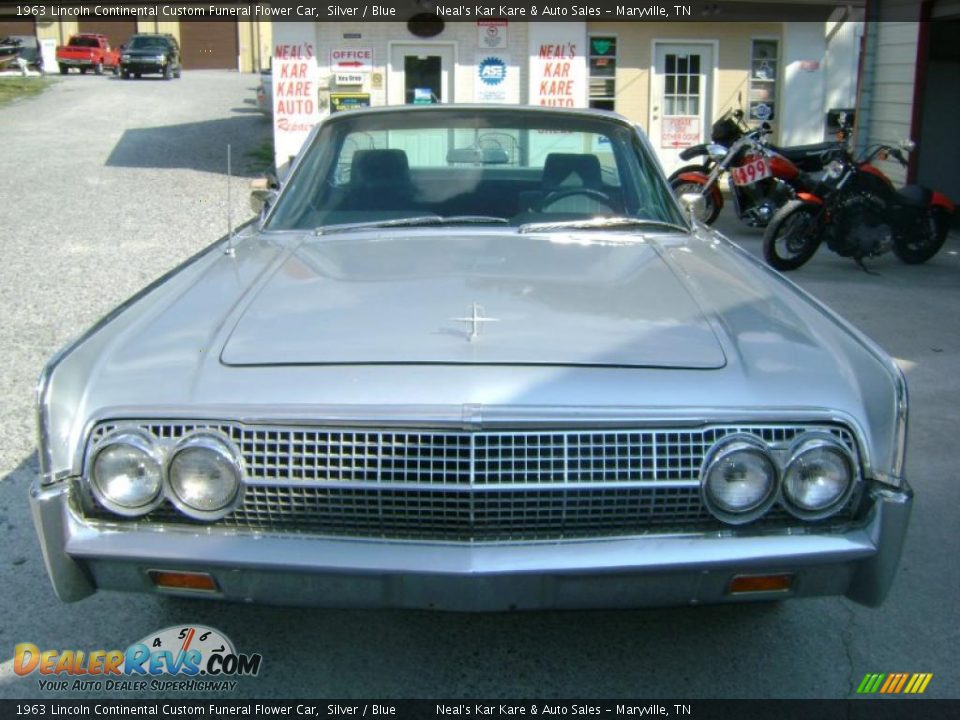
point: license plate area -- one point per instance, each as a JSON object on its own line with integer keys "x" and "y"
{"x": 751, "y": 172}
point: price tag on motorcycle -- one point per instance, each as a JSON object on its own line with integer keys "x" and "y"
{"x": 750, "y": 172}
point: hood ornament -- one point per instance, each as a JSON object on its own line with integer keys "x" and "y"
{"x": 475, "y": 319}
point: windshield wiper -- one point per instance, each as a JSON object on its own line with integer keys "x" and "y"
{"x": 420, "y": 220}
{"x": 599, "y": 223}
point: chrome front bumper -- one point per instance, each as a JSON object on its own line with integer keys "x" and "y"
{"x": 653, "y": 570}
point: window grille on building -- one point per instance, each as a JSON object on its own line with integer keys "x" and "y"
{"x": 763, "y": 80}
{"x": 603, "y": 72}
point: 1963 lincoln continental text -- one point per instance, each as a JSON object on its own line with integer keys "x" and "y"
{"x": 473, "y": 359}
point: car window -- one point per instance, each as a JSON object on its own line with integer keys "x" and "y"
{"x": 148, "y": 43}
{"x": 84, "y": 42}
{"x": 511, "y": 165}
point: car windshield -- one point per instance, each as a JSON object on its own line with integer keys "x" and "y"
{"x": 483, "y": 166}
{"x": 147, "y": 43}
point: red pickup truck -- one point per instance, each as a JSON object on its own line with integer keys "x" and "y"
{"x": 88, "y": 51}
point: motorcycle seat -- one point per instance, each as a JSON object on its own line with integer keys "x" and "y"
{"x": 915, "y": 195}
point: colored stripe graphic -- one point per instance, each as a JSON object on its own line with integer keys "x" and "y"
{"x": 871, "y": 683}
{"x": 894, "y": 683}
{"x": 919, "y": 683}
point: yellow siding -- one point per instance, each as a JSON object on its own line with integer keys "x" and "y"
{"x": 169, "y": 26}
{"x": 266, "y": 43}
{"x": 254, "y": 45}
{"x": 67, "y": 28}
{"x": 49, "y": 30}
{"x": 635, "y": 56}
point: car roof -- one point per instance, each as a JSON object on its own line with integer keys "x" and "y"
{"x": 477, "y": 107}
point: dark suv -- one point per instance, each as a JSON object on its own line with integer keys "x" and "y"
{"x": 150, "y": 53}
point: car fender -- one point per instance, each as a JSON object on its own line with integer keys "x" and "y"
{"x": 810, "y": 198}
{"x": 942, "y": 201}
{"x": 687, "y": 169}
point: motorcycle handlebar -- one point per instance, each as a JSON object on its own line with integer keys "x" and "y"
{"x": 887, "y": 150}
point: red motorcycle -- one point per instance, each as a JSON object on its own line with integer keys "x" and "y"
{"x": 762, "y": 176}
{"x": 860, "y": 214}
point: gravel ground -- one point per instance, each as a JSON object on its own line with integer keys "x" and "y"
{"x": 116, "y": 182}
{"x": 119, "y": 181}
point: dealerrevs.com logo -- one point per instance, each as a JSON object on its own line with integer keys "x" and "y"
{"x": 180, "y": 657}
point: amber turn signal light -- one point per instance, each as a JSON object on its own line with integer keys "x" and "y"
{"x": 760, "y": 583}
{"x": 176, "y": 580}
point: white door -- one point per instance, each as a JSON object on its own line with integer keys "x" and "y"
{"x": 420, "y": 74}
{"x": 681, "y": 99}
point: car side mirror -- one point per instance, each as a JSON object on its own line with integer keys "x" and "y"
{"x": 122, "y": 48}
{"x": 263, "y": 194}
{"x": 694, "y": 203}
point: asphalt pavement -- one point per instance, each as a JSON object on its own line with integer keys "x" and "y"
{"x": 109, "y": 183}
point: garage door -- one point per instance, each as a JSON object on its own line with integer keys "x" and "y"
{"x": 117, "y": 32}
{"x": 209, "y": 45}
{"x": 16, "y": 27}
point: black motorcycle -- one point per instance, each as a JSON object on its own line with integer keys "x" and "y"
{"x": 860, "y": 214}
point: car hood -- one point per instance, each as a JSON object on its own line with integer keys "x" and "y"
{"x": 389, "y": 298}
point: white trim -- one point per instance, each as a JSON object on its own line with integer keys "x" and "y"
{"x": 714, "y": 80}
{"x": 454, "y": 45}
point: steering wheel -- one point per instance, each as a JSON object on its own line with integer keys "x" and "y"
{"x": 558, "y": 195}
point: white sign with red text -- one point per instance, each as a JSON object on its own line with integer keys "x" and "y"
{"x": 752, "y": 171}
{"x": 295, "y": 95}
{"x": 558, "y": 64}
{"x": 351, "y": 60}
{"x": 681, "y": 131}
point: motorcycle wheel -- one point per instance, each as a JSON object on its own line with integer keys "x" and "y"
{"x": 917, "y": 248}
{"x": 710, "y": 209}
{"x": 793, "y": 235}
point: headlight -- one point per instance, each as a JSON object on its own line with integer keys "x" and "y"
{"x": 833, "y": 170}
{"x": 161, "y": 59}
{"x": 125, "y": 474}
{"x": 717, "y": 151}
{"x": 204, "y": 476}
{"x": 739, "y": 479}
{"x": 126, "y": 58}
{"x": 818, "y": 478}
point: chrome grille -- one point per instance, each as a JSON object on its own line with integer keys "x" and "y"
{"x": 471, "y": 486}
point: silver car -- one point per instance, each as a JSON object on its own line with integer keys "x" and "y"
{"x": 473, "y": 358}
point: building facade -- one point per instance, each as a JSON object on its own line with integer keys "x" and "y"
{"x": 673, "y": 79}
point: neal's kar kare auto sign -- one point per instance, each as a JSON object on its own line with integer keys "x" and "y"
{"x": 558, "y": 64}
{"x": 295, "y": 107}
